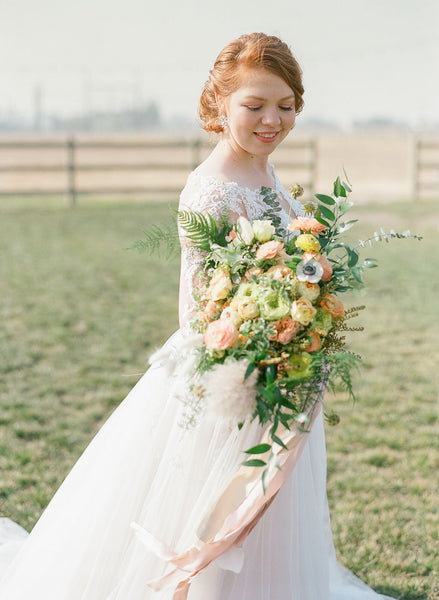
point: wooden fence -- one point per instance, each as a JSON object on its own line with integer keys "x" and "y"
{"x": 425, "y": 166}
{"x": 60, "y": 167}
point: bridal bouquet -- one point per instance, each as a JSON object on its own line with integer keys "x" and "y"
{"x": 270, "y": 322}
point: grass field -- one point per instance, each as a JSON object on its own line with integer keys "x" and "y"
{"x": 80, "y": 314}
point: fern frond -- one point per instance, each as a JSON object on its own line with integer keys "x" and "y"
{"x": 341, "y": 366}
{"x": 202, "y": 229}
{"x": 159, "y": 239}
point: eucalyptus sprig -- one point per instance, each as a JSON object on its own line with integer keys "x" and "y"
{"x": 347, "y": 268}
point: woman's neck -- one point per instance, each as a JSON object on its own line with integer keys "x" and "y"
{"x": 238, "y": 165}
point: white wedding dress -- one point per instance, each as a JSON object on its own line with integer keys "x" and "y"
{"x": 143, "y": 472}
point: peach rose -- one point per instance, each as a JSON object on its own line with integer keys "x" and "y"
{"x": 256, "y": 271}
{"x": 210, "y": 311}
{"x": 315, "y": 343}
{"x": 269, "y": 249}
{"x": 332, "y": 305}
{"x": 220, "y": 334}
{"x": 279, "y": 271}
{"x": 220, "y": 285}
{"x": 303, "y": 311}
{"x": 307, "y": 224}
{"x": 308, "y": 290}
{"x": 326, "y": 265}
{"x": 286, "y": 329}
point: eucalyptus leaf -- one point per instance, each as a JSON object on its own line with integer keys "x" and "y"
{"x": 352, "y": 257}
{"x": 254, "y": 462}
{"x": 278, "y": 441}
{"x": 370, "y": 263}
{"x": 250, "y": 369}
{"x": 357, "y": 273}
{"x": 327, "y": 213}
{"x": 345, "y": 226}
{"x": 339, "y": 189}
{"x": 326, "y": 199}
{"x": 322, "y": 221}
{"x": 264, "y": 480}
{"x": 259, "y": 449}
{"x": 345, "y": 206}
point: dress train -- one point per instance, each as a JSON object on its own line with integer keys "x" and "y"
{"x": 143, "y": 468}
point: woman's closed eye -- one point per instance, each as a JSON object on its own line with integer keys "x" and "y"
{"x": 255, "y": 108}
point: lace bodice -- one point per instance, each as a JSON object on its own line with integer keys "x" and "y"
{"x": 208, "y": 194}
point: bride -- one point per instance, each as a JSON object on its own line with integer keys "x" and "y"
{"x": 139, "y": 493}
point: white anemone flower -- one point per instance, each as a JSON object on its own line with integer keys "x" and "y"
{"x": 245, "y": 231}
{"x": 309, "y": 270}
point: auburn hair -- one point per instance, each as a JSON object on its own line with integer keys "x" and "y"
{"x": 248, "y": 51}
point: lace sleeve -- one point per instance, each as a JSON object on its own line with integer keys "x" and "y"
{"x": 204, "y": 195}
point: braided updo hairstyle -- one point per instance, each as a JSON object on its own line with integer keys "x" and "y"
{"x": 255, "y": 50}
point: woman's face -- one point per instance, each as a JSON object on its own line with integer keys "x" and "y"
{"x": 260, "y": 113}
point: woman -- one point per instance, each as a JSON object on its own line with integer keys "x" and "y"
{"x": 141, "y": 490}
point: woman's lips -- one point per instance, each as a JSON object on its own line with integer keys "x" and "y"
{"x": 266, "y": 136}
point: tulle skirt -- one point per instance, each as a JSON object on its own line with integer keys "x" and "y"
{"x": 144, "y": 471}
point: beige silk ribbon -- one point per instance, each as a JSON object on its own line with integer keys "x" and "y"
{"x": 235, "y": 513}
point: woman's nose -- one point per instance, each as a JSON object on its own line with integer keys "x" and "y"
{"x": 271, "y": 117}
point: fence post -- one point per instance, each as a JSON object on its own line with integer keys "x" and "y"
{"x": 415, "y": 166}
{"x": 71, "y": 190}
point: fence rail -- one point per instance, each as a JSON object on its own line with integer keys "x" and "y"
{"x": 71, "y": 166}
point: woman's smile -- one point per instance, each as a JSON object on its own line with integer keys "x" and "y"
{"x": 267, "y": 136}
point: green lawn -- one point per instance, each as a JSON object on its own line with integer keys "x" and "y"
{"x": 80, "y": 315}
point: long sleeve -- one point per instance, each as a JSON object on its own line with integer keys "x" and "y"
{"x": 206, "y": 196}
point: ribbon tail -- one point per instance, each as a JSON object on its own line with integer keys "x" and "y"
{"x": 182, "y": 590}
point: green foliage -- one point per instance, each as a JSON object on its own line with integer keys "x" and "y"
{"x": 342, "y": 366}
{"x": 160, "y": 239}
{"x": 270, "y": 198}
{"x": 348, "y": 271}
{"x": 202, "y": 230}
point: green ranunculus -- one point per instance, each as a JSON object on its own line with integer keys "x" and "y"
{"x": 248, "y": 289}
{"x": 299, "y": 366}
{"x": 272, "y": 306}
{"x": 322, "y": 322}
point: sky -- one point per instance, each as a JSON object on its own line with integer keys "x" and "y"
{"x": 361, "y": 59}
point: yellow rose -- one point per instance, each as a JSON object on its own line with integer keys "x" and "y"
{"x": 308, "y": 290}
{"x": 220, "y": 285}
{"x": 247, "y": 308}
{"x": 307, "y": 242}
{"x": 303, "y": 311}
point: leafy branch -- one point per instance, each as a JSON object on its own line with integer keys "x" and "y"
{"x": 160, "y": 238}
